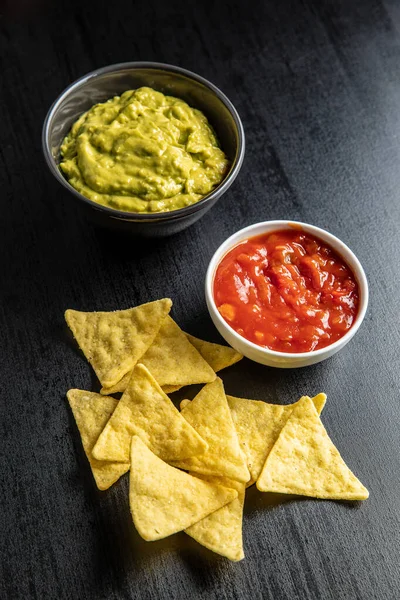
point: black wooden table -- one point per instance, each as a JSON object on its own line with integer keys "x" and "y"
{"x": 317, "y": 84}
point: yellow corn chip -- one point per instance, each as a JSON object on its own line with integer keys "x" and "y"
{"x": 218, "y": 357}
{"x": 91, "y": 412}
{"x": 209, "y": 414}
{"x": 164, "y": 500}
{"x": 319, "y": 402}
{"x": 172, "y": 360}
{"x": 304, "y": 461}
{"x": 221, "y": 531}
{"x": 170, "y": 389}
{"x": 114, "y": 341}
{"x": 123, "y": 384}
{"x": 145, "y": 410}
{"x": 119, "y": 387}
{"x": 258, "y": 426}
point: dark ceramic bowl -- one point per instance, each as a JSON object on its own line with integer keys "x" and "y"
{"x": 99, "y": 86}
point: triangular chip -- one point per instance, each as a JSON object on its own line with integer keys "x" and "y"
{"x": 164, "y": 500}
{"x": 113, "y": 342}
{"x": 319, "y": 402}
{"x": 145, "y": 410}
{"x": 172, "y": 360}
{"x": 221, "y": 531}
{"x": 170, "y": 389}
{"x": 304, "y": 461}
{"x": 118, "y": 387}
{"x": 258, "y": 425}
{"x": 91, "y": 412}
{"x": 209, "y": 414}
{"x": 123, "y": 384}
{"x": 218, "y": 357}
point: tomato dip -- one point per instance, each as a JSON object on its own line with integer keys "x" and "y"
{"x": 286, "y": 290}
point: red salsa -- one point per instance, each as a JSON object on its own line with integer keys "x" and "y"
{"x": 286, "y": 290}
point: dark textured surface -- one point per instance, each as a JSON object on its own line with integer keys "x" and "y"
{"x": 317, "y": 84}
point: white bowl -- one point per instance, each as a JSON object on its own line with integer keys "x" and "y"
{"x": 265, "y": 356}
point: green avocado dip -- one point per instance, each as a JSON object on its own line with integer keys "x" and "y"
{"x": 143, "y": 152}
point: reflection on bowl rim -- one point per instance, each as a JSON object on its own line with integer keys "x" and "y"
{"x": 140, "y": 216}
{"x": 326, "y": 237}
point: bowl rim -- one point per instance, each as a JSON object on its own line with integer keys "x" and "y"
{"x": 325, "y": 236}
{"x": 139, "y": 216}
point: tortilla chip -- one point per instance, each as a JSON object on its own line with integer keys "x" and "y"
{"x": 123, "y": 384}
{"x": 164, "y": 500}
{"x": 218, "y": 357}
{"x": 221, "y": 531}
{"x": 145, "y": 410}
{"x": 170, "y": 389}
{"x": 119, "y": 387}
{"x": 304, "y": 461}
{"x": 258, "y": 425}
{"x": 91, "y": 412}
{"x": 172, "y": 360}
{"x": 209, "y": 414}
{"x": 319, "y": 402}
{"x": 113, "y": 342}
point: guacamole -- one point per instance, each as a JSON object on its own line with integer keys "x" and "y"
{"x": 143, "y": 152}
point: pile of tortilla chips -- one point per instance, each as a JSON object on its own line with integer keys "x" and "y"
{"x": 189, "y": 469}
